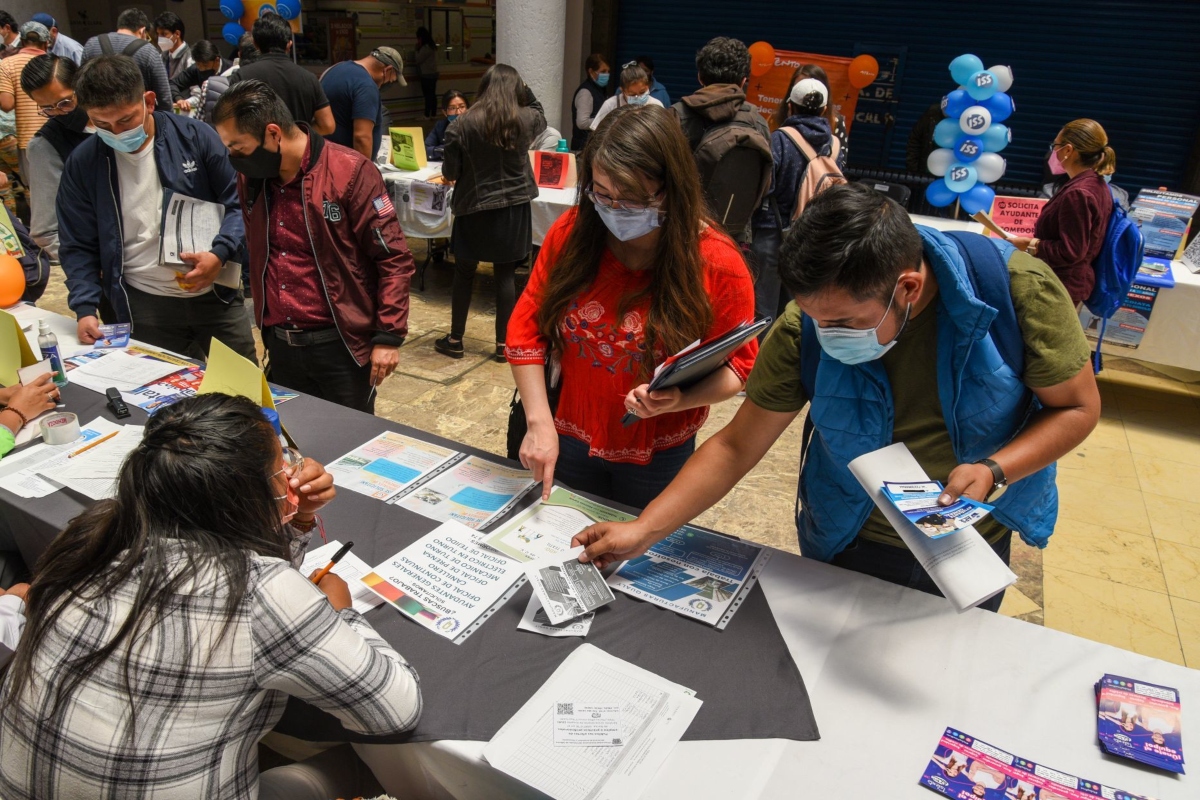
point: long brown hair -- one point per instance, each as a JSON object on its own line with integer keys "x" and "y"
{"x": 632, "y": 142}
{"x": 807, "y": 71}
{"x": 497, "y": 109}
{"x": 1091, "y": 142}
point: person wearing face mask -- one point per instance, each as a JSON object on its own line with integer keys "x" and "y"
{"x": 185, "y": 86}
{"x": 1069, "y": 233}
{"x": 169, "y": 625}
{"x": 633, "y": 275}
{"x": 50, "y": 81}
{"x": 329, "y": 267}
{"x": 34, "y": 40}
{"x": 635, "y": 91}
{"x": 110, "y": 216}
{"x": 454, "y": 105}
{"x": 354, "y": 91}
{"x": 131, "y": 39}
{"x": 300, "y": 89}
{"x": 590, "y": 95}
{"x": 888, "y": 340}
{"x": 176, "y": 54}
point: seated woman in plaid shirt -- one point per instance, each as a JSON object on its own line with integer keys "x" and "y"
{"x": 166, "y": 627}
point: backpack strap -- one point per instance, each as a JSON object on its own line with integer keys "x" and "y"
{"x": 106, "y": 45}
{"x": 805, "y": 148}
{"x": 133, "y": 47}
{"x": 987, "y": 270}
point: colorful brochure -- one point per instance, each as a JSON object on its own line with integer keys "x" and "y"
{"x": 113, "y": 336}
{"x": 473, "y": 491}
{"x": 567, "y": 587}
{"x": 966, "y": 768}
{"x": 547, "y": 527}
{"x": 918, "y": 501}
{"x": 1140, "y": 721}
{"x": 388, "y": 464}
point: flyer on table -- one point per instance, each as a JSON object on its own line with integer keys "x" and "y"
{"x": 547, "y": 527}
{"x": 918, "y": 501}
{"x": 474, "y": 492}
{"x": 388, "y": 464}
{"x": 1140, "y": 721}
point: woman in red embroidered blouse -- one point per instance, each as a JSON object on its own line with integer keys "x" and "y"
{"x": 633, "y": 275}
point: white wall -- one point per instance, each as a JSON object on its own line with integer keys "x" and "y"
{"x": 530, "y": 35}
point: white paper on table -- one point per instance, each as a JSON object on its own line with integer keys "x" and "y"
{"x": 567, "y": 587}
{"x": 189, "y": 226}
{"x": 473, "y": 491}
{"x": 535, "y": 620}
{"x": 587, "y": 725}
{"x": 388, "y": 464}
{"x": 94, "y": 472}
{"x": 32, "y": 373}
{"x": 351, "y": 569}
{"x": 655, "y": 715}
{"x": 120, "y": 370}
{"x": 963, "y": 565}
{"x": 19, "y": 471}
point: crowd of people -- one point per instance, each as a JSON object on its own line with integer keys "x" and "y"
{"x": 694, "y": 217}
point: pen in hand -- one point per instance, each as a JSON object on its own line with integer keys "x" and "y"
{"x": 316, "y": 578}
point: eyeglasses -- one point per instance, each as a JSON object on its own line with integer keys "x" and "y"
{"x": 64, "y": 106}
{"x": 1056, "y": 144}
{"x": 605, "y": 200}
{"x": 292, "y": 461}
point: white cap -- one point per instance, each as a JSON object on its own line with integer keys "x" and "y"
{"x": 803, "y": 92}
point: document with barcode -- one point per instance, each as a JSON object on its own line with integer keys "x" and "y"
{"x": 189, "y": 226}
{"x": 638, "y": 716}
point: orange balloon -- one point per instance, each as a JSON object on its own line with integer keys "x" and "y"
{"x": 762, "y": 58}
{"x": 12, "y": 281}
{"x": 863, "y": 70}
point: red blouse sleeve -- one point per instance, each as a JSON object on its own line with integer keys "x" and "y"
{"x": 525, "y": 344}
{"x": 731, "y": 291}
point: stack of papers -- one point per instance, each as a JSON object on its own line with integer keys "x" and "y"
{"x": 599, "y": 728}
{"x": 94, "y": 472}
{"x": 121, "y": 370}
{"x": 1140, "y": 721}
{"x": 351, "y": 569}
{"x": 1164, "y": 218}
{"x": 536, "y": 620}
{"x": 19, "y": 472}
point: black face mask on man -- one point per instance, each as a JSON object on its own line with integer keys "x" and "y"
{"x": 75, "y": 120}
{"x": 261, "y": 165}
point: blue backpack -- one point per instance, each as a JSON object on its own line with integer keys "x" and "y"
{"x": 1116, "y": 267}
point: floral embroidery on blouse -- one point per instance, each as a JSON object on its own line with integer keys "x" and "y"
{"x": 612, "y": 347}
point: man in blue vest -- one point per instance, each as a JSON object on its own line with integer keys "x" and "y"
{"x": 987, "y": 387}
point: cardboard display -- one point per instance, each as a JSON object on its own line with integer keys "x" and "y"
{"x": 408, "y": 148}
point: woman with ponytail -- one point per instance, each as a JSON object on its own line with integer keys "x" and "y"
{"x": 167, "y": 626}
{"x": 1070, "y": 231}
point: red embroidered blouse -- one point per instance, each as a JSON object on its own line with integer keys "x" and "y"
{"x": 604, "y": 355}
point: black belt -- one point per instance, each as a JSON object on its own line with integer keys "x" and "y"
{"x": 298, "y": 338}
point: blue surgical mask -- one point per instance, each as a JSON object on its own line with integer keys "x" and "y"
{"x": 602, "y": 80}
{"x": 628, "y": 223}
{"x": 638, "y": 99}
{"x": 451, "y": 117}
{"x": 854, "y": 346}
{"x": 126, "y": 142}
{"x": 1107, "y": 178}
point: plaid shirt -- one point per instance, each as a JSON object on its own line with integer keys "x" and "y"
{"x": 198, "y": 723}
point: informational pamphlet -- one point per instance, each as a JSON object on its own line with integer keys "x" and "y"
{"x": 168, "y": 390}
{"x": 351, "y": 569}
{"x": 696, "y": 573}
{"x": 1016, "y": 215}
{"x": 1140, "y": 721}
{"x": 1128, "y": 324}
{"x": 1163, "y": 217}
{"x": 92, "y": 469}
{"x": 535, "y": 620}
{"x": 918, "y": 501}
{"x": 19, "y": 472}
{"x": 120, "y": 369}
{"x": 966, "y": 768}
{"x": 113, "y": 336}
{"x": 547, "y": 527}
{"x": 567, "y": 587}
{"x": 446, "y": 582}
{"x": 189, "y": 226}
{"x": 473, "y": 491}
{"x": 388, "y": 464}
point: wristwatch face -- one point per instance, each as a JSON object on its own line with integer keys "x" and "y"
{"x": 996, "y": 493}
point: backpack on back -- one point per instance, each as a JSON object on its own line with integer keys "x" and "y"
{"x": 106, "y": 46}
{"x": 820, "y": 173}
{"x": 1116, "y": 267}
{"x": 734, "y": 160}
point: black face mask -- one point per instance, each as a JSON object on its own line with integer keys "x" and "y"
{"x": 205, "y": 74}
{"x": 261, "y": 165}
{"x": 75, "y": 120}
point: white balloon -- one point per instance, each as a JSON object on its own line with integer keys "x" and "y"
{"x": 1004, "y": 77}
{"x": 990, "y": 167}
{"x": 975, "y": 120}
{"x": 940, "y": 160}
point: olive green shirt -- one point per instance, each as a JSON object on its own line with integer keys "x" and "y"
{"x": 1055, "y": 351}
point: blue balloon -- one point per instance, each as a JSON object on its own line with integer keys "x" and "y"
{"x": 963, "y": 67}
{"x": 946, "y": 133}
{"x": 956, "y": 102}
{"x": 232, "y": 9}
{"x": 982, "y": 85}
{"x": 978, "y": 198}
{"x": 996, "y": 138}
{"x": 1000, "y": 105}
{"x": 288, "y": 9}
{"x": 960, "y": 177}
{"x": 938, "y": 194}
{"x": 968, "y": 149}
{"x": 233, "y": 32}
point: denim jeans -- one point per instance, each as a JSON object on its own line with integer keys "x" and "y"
{"x": 899, "y": 565}
{"x": 770, "y": 298}
{"x": 632, "y": 484}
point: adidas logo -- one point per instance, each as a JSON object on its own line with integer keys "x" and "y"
{"x": 189, "y": 167}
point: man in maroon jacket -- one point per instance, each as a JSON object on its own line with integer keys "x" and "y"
{"x": 329, "y": 266}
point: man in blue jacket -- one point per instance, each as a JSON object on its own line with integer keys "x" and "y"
{"x": 110, "y": 211}
{"x": 890, "y": 340}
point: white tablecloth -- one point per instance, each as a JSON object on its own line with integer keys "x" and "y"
{"x": 549, "y": 205}
{"x": 1174, "y": 328}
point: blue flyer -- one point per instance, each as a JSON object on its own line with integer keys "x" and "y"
{"x": 918, "y": 501}
{"x": 113, "y": 336}
{"x": 1140, "y": 721}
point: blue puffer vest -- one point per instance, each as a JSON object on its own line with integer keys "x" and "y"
{"x": 984, "y": 402}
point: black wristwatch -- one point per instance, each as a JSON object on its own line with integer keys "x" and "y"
{"x": 999, "y": 482}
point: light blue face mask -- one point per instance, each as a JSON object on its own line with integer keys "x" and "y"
{"x": 126, "y": 142}
{"x": 602, "y": 79}
{"x": 628, "y": 223}
{"x": 638, "y": 99}
{"x": 854, "y": 346}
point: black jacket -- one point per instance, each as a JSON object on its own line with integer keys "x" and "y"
{"x": 488, "y": 177}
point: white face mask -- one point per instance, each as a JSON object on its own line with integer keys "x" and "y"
{"x": 165, "y": 44}
{"x": 857, "y": 345}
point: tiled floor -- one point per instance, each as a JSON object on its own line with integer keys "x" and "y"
{"x": 1124, "y": 564}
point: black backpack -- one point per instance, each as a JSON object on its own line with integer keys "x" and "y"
{"x": 106, "y": 45}
{"x": 734, "y": 161}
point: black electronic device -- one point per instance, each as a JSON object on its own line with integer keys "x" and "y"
{"x": 117, "y": 403}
